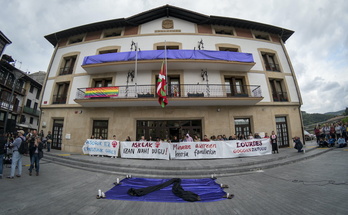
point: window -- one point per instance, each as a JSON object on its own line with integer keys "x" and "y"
{"x": 108, "y": 51}
{"x": 173, "y": 82}
{"x": 31, "y": 88}
{"x": 223, "y": 30}
{"x": 107, "y": 82}
{"x": 229, "y": 49}
{"x": 242, "y": 126}
{"x": 100, "y": 128}
{"x": 23, "y": 119}
{"x": 235, "y": 87}
{"x": 35, "y": 106}
{"x": 28, "y": 103}
{"x": 113, "y": 32}
{"x": 61, "y": 93}
{"x": 278, "y": 90}
{"x": 261, "y": 35}
{"x": 31, "y": 120}
{"x": 68, "y": 65}
{"x": 76, "y": 39}
{"x": 38, "y": 94}
{"x": 167, "y": 47}
{"x": 270, "y": 62}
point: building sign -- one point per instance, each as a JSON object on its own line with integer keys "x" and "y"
{"x": 167, "y": 24}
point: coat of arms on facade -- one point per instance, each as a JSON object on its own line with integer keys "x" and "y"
{"x": 167, "y": 24}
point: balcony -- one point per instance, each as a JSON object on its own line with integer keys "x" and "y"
{"x": 177, "y": 60}
{"x": 31, "y": 111}
{"x": 178, "y": 95}
{"x": 272, "y": 67}
{"x": 280, "y": 97}
{"x": 59, "y": 99}
{"x": 66, "y": 71}
{"x": 9, "y": 84}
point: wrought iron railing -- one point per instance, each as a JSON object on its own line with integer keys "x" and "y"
{"x": 272, "y": 67}
{"x": 31, "y": 111}
{"x": 59, "y": 99}
{"x": 183, "y": 91}
{"x": 280, "y": 97}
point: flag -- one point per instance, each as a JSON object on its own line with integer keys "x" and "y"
{"x": 162, "y": 86}
{"x": 102, "y": 92}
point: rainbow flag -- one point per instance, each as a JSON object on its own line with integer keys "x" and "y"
{"x": 101, "y": 92}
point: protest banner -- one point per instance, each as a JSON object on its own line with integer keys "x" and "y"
{"x": 145, "y": 150}
{"x": 101, "y": 147}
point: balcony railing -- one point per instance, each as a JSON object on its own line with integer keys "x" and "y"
{"x": 66, "y": 71}
{"x": 9, "y": 106}
{"x": 272, "y": 67}
{"x": 9, "y": 84}
{"x": 182, "y": 91}
{"x": 280, "y": 97}
{"x": 31, "y": 111}
{"x": 59, "y": 99}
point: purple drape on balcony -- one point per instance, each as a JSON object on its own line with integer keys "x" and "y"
{"x": 171, "y": 54}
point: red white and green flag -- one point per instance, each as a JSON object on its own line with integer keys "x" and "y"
{"x": 162, "y": 86}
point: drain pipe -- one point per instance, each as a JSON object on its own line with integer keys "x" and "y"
{"x": 296, "y": 86}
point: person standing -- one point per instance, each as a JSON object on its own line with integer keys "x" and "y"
{"x": 37, "y": 154}
{"x": 16, "y": 156}
{"x": 2, "y": 152}
{"x": 49, "y": 141}
{"x": 274, "y": 142}
{"x": 31, "y": 137}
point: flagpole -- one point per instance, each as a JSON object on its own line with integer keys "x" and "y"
{"x": 165, "y": 61}
{"x": 136, "y": 69}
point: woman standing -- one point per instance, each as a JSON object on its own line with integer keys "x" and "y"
{"x": 274, "y": 142}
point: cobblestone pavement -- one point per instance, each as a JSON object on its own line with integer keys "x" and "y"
{"x": 314, "y": 186}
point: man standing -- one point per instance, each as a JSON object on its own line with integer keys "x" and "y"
{"x": 16, "y": 156}
{"x": 49, "y": 141}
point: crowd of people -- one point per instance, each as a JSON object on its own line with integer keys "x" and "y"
{"x": 330, "y": 134}
{"x": 10, "y": 145}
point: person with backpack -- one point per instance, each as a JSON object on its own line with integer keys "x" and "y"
{"x": 16, "y": 156}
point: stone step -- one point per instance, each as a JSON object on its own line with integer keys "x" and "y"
{"x": 191, "y": 169}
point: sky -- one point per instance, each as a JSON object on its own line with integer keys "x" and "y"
{"x": 318, "y": 49}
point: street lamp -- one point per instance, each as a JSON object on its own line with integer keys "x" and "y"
{"x": 17, "y": 75}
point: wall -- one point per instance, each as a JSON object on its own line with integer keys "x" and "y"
{"x": 122, "y": 121}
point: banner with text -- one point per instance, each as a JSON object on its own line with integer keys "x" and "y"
{"x": 220, "y": 149}
{"x": 147, "y": 149}
{"x": 101, "y": 147}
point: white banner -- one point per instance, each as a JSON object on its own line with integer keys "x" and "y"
{"x": 220, "y": 149}
{"x": 146, "y": 149}
{"x": 182, "y": 150}
{"x": 101, "y": 147}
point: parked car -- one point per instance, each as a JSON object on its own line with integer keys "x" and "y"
{"x": 309, "y": 136}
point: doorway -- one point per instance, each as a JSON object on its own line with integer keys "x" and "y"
{"x": 57, "y": 134}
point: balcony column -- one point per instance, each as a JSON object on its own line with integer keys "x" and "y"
{"x": 17, "y": 76}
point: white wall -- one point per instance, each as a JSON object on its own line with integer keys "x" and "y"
{"x": 182, "y": 25}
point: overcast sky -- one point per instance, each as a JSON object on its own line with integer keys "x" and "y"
{"x": 318, "y": 49}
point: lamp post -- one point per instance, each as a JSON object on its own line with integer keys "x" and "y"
{"x": 17, "y": 75}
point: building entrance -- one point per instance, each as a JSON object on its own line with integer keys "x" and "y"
{"x": 167, "y": 129}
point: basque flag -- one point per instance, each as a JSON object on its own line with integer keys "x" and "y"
{"x": 162, "y": 86}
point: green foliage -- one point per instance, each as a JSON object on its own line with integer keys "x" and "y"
{"x": 345, "y": 120}
{"x": 313, "y": 118}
